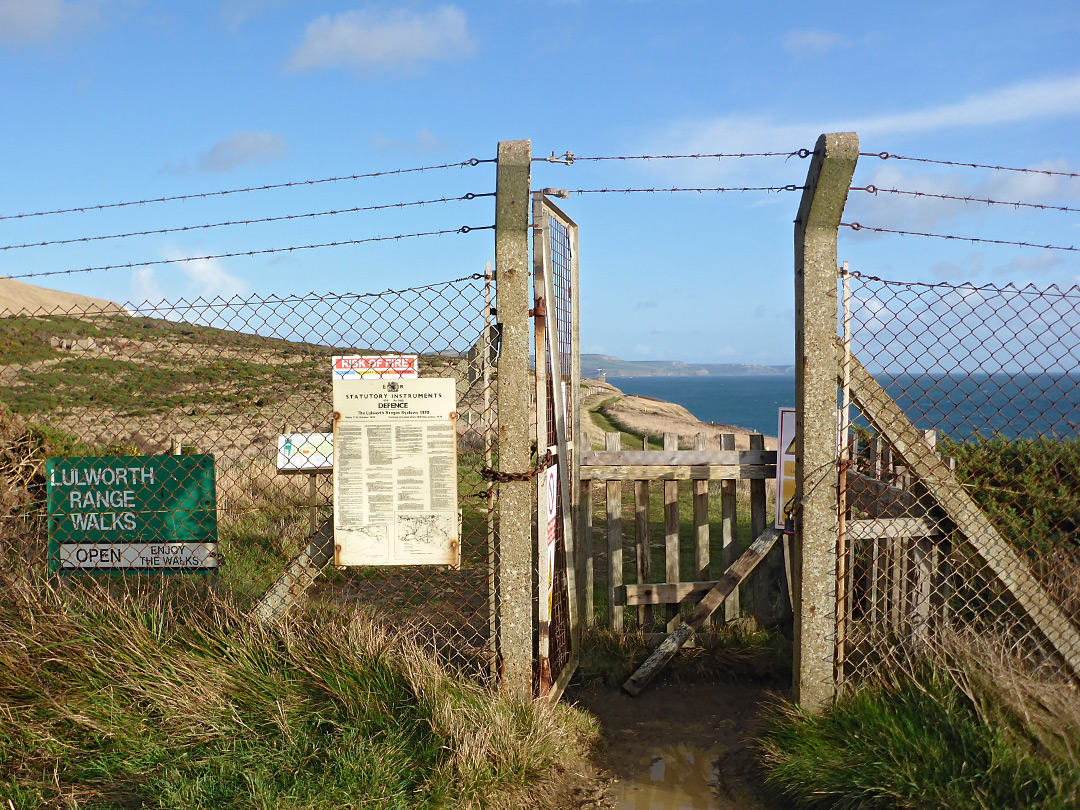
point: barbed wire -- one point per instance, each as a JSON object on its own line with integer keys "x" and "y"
{"x": 267, "y": 187}
{"x": 569, "y": 158}
{"x": 875, "y": 190}
{"x": 858, "y": 226}
{"x": 307, "y": 298}
{"x": 889, "y": 156}
{"x": 281, "y": 218}
{"x": 261, "y": 252}
{"x": 674, "y": 189}
{"x": 1029, "y": 289}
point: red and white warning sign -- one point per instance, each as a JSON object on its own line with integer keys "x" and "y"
{"x": 387, "y": 366}
{"x": 552, "y": 517}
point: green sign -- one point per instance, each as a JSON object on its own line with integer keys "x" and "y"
{"x": 132, "y": 513}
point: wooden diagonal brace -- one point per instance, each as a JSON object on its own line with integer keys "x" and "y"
{"x": 739, "y": 570}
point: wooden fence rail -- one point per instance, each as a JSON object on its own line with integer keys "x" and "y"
{"x": 689, "y": 559}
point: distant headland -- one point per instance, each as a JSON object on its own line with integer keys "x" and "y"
{"x": 592, "y": 365}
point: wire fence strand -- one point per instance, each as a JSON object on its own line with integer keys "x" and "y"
{"x": 858, "y": 226}
{"x": 1047, "y": 172}
{"x": 258, "y": 252}
{"x": 267, "y": 187}
{"x": 259, "y": 221}
{"x": 875, "y": 190}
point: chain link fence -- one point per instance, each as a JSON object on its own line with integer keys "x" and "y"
{"x": 959, "y": 510}
{"x": 200, "y": 394}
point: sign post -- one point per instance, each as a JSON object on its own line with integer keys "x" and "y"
{"x": 145, "y": 514}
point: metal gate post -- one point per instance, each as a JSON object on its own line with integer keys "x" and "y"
{"x": 814, "y": 590}
{"x": 513, "y": 174}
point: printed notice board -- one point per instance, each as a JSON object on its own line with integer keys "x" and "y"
{"x": 146, "y": 514}
{"x": 305, "y": 452}
{"x": 395, "y": 471}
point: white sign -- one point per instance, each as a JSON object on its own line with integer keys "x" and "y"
{"x": 395, "y": 472}
{"x": 552, "y": 487}
{"x": 785, "y": 466}
{"x": 395, "y": 366}
{"x": 95, "y": 556}
{"x": 305, "y": 452}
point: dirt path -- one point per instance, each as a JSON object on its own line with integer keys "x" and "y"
{"x": 678, "y": 746}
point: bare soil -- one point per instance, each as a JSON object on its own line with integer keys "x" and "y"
{"x": 715, "y": 719}
{"x": 18, "y": 297}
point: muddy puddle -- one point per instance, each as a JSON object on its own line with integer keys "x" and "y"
{"x": 680, "y": 747}
{"x": 677, "y": 777}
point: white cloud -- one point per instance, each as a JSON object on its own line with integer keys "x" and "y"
{"x": 374, "y": 42}
{"x": 801, "y": 44}
{"x": 241, "y": 148}
{"x": 144, "y": 287}
{"x": 1024, "y": 101}
{"x": 24, "y": 22}
{"x": 208, "y": 277}
{"x": 235, "y": 13}
{"x": 425, "y": 142}
{"x": 1033, "y": 266}
{"x": 889, "y": 209}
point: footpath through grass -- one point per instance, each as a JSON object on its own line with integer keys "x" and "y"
{"x": 125, "y": 702}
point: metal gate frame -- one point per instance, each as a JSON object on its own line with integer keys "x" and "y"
{"x": 557, "y": 336}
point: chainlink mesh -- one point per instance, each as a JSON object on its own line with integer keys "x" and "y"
{"x": 960, "y": 474}
{"x": 119, "y": 392}
{"x": 562, "y": 311}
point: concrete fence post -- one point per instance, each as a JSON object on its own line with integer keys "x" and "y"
{"x": 816, "y": 527}
{"x": 515, "y": 642}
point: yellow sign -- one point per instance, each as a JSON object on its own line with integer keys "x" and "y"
{"x": 785, "y": 466}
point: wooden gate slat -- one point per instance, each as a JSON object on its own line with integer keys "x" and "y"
{"x": 739, "y": 571}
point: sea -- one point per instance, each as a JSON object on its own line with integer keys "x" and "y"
{"x": 1010, "y": 405}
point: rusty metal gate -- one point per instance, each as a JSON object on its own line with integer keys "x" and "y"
{"x": 558, "y": 438}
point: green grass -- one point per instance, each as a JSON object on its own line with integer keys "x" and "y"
{"x": 1027, "y": 487}
{"x": 735, "y": 651}
{"x": 965, "y": 730}
{"x": 124, "y": 702}
{"x": 601, "y": 416}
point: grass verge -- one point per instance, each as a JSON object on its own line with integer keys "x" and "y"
{"x": 963, "y": 729}
{"x": 122, "y": 702}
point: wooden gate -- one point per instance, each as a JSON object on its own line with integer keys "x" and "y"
{"x": 691, "y": 561}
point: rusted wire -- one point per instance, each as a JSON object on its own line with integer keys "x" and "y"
{"x": 267, "y": 187}
{"x": 889, "y": 156}
{"x": 675, "y": 189}
{"x": 292, "y": 300}
{"x": 281, "y": 218}
{"x": 1029, "y": 290}
{"x": 489, "y": 474}
{"x": 261, "y": 252}
{"x": 872, "y": 189}
{"x": 569, "y": 158}
{"x": 858, "y": 226}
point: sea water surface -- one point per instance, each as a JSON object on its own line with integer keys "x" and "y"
{"x": 750, "y": 402}
{"x": 1013, "y": 405}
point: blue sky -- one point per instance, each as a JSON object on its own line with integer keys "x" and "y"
{"x": 119, "y": 100}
